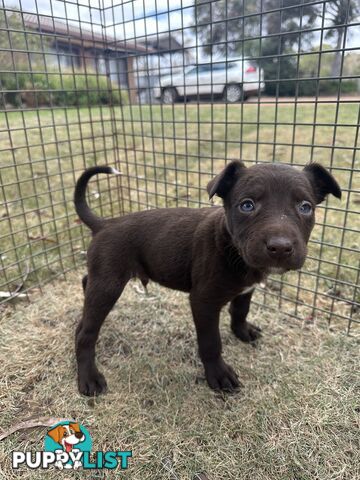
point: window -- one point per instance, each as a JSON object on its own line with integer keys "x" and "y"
{"x": 193, "y": 71}
{"x": 204, "y": 68}
{"x": 218, "y": 66}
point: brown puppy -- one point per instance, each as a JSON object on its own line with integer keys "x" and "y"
{"x": 216, "y": 254}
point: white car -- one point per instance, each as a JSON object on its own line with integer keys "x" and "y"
{"x": 233, "y": 80}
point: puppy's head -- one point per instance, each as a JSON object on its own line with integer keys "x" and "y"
{"x": 270, "y": 210}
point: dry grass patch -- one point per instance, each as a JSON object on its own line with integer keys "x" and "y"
{"x": 296, "y": 418}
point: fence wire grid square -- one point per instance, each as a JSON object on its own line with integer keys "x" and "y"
{"x": 168, "y": 93}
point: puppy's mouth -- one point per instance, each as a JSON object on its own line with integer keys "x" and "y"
{"x": 273, "y": 268}
{"x": 276, "y": 270}
{"x": 259, "y": 261}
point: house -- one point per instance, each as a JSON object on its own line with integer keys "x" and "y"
{"x": 79, "y": 48}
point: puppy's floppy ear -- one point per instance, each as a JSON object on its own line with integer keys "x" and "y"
{"x": 225, "y": 180}
{"x": 322, "y": 182}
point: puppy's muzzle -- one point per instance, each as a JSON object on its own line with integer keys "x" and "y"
{"x": 279, "y": 247}
{"x": 275, "y": 251}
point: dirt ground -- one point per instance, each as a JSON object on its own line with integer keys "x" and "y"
{"x": 296, "y": 418}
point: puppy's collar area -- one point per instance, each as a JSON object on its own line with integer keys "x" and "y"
{"x": 248, "y": 289}
{"x": 234, "y": 258}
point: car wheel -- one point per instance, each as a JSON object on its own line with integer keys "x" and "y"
{"x": 233, "y": 93}
{"x": 169, "y": 95}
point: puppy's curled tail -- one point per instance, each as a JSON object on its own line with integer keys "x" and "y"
{"x": 94, "y": 222}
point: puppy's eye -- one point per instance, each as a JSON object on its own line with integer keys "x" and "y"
{"x": 247, "y": 205}
{"x": 305, "y": 208}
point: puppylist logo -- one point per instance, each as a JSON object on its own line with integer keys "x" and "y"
{"x": 68, "y": 445}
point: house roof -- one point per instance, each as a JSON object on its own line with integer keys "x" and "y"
{"x": 74, "y": 35}
{"x": 163, "y": 43}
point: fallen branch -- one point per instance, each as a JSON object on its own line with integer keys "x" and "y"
{"x": 12, "y": 295}
{"x": 41, "y": 237}
{"x": 31, "y": 423}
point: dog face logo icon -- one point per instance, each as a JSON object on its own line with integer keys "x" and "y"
{"x": 68, "y": 440}
{"x": 67, "y": 435}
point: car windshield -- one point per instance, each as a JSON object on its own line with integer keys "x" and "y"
{"x": 191, "y": 70}
{"x": 211, "y": 67}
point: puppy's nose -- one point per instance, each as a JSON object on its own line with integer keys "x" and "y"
{"x": 279, "y": 247}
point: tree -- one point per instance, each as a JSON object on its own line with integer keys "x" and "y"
{"x": 340, "y": 13}
{"x": 287, "y": 19}
{"x": 228, "y": 28}
{"x": 221, "y": 27}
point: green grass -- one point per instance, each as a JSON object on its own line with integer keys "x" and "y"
{"x": 44, "y": 152}
{"x": 297, "y": 416}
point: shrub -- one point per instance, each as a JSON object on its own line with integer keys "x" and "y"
{"x": 60, "y": 89}
{"x": 12, "y": 81}
{"x": 327, "y": 87}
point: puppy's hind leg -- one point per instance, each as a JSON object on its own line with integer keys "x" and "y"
{"x": 101, "y": 295}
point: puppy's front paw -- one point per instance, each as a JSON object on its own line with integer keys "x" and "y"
{"x": 247, "y": 332}
{"x": 91, "y": 382}
{"x": 221, "y": 376}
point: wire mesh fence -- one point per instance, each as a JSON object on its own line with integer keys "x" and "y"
{"x": 168, "y": 92}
